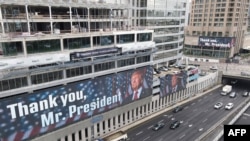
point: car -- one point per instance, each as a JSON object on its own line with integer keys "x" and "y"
{"x": 158, "y": 126}
{"x": 154, "y": 72}
{"x": 229, "y": 106}
{"x": 218, "y": 105}
{"x": 157, "y": 71}
{"x": 232, "y": 95}
{"x": 234, "y": 81}
{"x": 213, "y": 68}
{"x": 177, "y": 109}
{"x": 245, "y": 94}
{"x": 165, "y": 68}
{"x": 175, "y": 124}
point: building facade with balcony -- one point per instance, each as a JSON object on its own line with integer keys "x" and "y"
{"x": 216, "y": 28}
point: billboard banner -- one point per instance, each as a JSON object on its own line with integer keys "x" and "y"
{"x": 96, "y": 52}
{"x": 172, "y": 83}
{"x": 226, "y": 42}
{"x": 29, "y": 115}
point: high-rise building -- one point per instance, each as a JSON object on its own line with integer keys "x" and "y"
{"x": 216, "y": 28}
{"x": 76, "y": 70}
{"x": 167, "y": 19}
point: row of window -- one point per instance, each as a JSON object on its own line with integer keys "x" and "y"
{"x": 39, "y": 46}
{"x": 206, "y": 53}
{"x": 209, "y": 33}
{"x": 72, "y": 72}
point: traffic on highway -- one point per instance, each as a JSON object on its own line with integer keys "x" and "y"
{"x": 189, "y": 121}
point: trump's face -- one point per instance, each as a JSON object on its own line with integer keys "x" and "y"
{"x": 174, "y": 80}
{"x": 136, "y": 80}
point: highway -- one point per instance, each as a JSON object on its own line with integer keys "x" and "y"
{"x": 196, "y": 117}
{"x": 243, "y": 120}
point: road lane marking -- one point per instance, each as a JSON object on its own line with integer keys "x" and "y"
{"x": 150, "y": 127}
{"x": 192, "y": 103}
{"x": 182, "y": 136}
{"x": 246, "y": 114}
{"x": 199, "y": 100}
{"x": 161, "y": 121}
{"x": 190, "y": 125}
{"x": 146, "y": 138}
{"x": 186, "y": 107}
{"x": 170, "y": 116}
{"x": 200, "y": 129}
{"x": 204, "y": 120}
{"x": 160, "y": 139}
{"x": 139, "y": 133}
{"x": 205, "y": 111}
{"x": 165, "y": 115}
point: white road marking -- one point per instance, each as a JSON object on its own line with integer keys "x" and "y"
{"x": 165, "y": 115}
{"x": 160, "y": 139}
{"x": 200, "y": 129}
{"x": 146, "y": 138}
{"x": 186, "y": 107}
{"x": 204, "y": 120}
{"x": 192, "y": 103}
{"x": 150, "y": 126}
{"x": 161, "y": 121}
{"x": 139, "y": 133}
{"x": 182, "y": 136}
{"x": 246, "y": 114}
{"x": 190, "y": 125}
{"x": 170, "y": 116}
{"x": 199, "y": 100}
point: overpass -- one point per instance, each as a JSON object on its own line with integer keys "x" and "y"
{"x": 229, "y": 70}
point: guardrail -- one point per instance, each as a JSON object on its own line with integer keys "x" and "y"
{"x": 214, "y": 129}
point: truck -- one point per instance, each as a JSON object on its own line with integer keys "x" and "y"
{"x": 226, "y": 89}
{"x": 118, "y": 136}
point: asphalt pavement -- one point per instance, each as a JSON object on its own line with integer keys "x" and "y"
{"x": 196, "y": 118}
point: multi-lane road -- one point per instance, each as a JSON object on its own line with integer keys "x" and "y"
{"x": 196, "y": 118}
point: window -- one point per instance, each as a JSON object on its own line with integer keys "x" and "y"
{"x": 40, "y": 46}
{"x": 13, "y": 83}
{"x": 78, "y": 71}
{"x": 103, "y": 40}
{"x": 127, "y": 38}
{"x": 144, "y": 37}
{"x": 46, "y": 77}
{"x": 104, "y": 66}
{"x": 76, "y": 43}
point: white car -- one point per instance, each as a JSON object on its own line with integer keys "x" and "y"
{"x": 218, "y": 105}
{"x": 213, "y": 68}
{"x": 229, "y": 106}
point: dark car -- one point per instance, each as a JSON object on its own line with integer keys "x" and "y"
{"x": 158, "y": 126}
{"x": 177, "y": 109}
{"x": 232, "y": 94}
{"x": 245, "y": 94}
{"x": 175, "y": 124}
